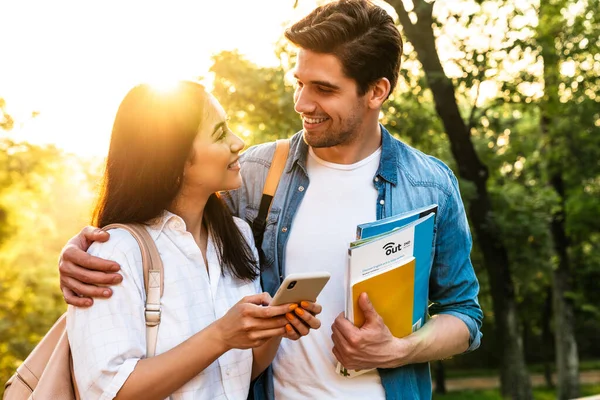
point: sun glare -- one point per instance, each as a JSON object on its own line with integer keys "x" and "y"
{"x": 74, "y": 61}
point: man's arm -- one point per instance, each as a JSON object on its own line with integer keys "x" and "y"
{"x": 456, "y": 315}
{"x": 80, "y": 272}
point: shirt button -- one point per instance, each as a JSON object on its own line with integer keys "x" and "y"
{"x": 376, "y": 179}
{"x": 301, "y": 189}
{"x": 382, "y": 202}
{"x": 228, "y": 371}
{"x": 284, "y": 229}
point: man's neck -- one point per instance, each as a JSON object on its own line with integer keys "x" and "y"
{"x": 365, "y": 144}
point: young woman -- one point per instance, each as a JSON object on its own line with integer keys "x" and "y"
{"x": 170, "y": 152}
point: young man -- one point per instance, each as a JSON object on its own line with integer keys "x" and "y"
{"x": 343, "y": 169}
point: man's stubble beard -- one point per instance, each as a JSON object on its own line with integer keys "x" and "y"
{"x": 347, "y": 135}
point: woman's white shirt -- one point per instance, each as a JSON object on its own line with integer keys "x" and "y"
{"x": 109, "y": 338}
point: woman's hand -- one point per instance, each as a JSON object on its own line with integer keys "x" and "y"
{"x": 302, "y": 319}
{"x": 251, "y": 322}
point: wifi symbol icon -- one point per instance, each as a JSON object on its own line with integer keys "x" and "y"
{"x": 391, "y": 247}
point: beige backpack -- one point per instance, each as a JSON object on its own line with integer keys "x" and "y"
{"x": 47, "y": 373}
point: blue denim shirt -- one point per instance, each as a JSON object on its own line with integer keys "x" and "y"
{"x": 406, "y": 179}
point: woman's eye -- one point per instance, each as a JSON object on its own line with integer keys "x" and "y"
{"x": 222, "y": 135}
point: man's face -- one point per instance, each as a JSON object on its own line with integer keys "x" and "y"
{"x": 327, "y": 100}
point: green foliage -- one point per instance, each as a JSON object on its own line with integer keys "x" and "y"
{"x": 46, "y": 198}
{"x": 257, "y": 99}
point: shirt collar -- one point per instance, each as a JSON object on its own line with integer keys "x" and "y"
{"x": 387, "y": 164}
{"x": 156, "y": 227}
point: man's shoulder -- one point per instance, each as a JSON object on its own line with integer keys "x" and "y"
{"x": 421, "y": 168}
{"x": 263, "y": 153}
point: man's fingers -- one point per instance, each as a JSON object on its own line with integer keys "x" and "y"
{"x": 345, "y": 327}
{"x": 93, "y": 234}
{"x": 74, "y": 300}
{"x": 338, "y": 339}
{"x": 84, "y": 289}
{"x": 84, "y": 275}
{"x": 367, "y": 307}
{"x": 73, "y": 254}
{"x": 308, "y": 318}
{"x": 313, "y": 308}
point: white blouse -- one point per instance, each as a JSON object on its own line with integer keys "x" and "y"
{"x": 109, "y": 338}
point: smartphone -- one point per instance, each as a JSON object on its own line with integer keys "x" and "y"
{"x": 300, "y": 287}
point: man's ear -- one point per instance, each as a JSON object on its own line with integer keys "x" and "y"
{"x": 378, "y": 93}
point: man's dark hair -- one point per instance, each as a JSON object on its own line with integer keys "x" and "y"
{"x": 152, "y": 138}
{"x": 360, "y": 34}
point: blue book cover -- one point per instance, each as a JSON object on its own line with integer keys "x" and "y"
{"x": 385, "y": 225}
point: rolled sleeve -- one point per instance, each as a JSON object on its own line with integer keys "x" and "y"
{"x": 453, "y": 285}
{"x": 109, "y": 338}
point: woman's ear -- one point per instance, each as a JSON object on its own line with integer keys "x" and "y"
{"x": 378, "y": 93}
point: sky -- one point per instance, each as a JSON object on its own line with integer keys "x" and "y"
{"x": 73, "y": 61}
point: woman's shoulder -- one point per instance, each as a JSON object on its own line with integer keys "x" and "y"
{"x": 121, "y": 244}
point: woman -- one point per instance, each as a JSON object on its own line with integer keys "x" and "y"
{"x": 170, "y": 152}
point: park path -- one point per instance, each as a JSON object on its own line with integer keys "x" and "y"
{"x": 493, "y": 382}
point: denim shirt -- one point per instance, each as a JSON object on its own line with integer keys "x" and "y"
{"x": 406, "y": 179}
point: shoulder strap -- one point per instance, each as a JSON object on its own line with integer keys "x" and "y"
{"x": 153, "y": 280}
{"x": 282, "y": 148}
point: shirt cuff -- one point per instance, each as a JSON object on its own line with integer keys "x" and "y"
{"x": 119, "y": 379}
{"x": 474, "y": 333}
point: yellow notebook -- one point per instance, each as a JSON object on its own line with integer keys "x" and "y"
{"x": 392, "y": 295}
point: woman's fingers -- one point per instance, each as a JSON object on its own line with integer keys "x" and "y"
{"x": 313, "y": 308}
{"x": 308, "y": 318}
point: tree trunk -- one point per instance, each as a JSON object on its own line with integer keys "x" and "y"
{"x": 547, "y": 340}
{"x": 567, "y": 360}
{"x": 440, "y": 378}
{"x": 514, "y": 376}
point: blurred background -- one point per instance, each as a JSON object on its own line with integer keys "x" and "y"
{"x": 507, "y": 93}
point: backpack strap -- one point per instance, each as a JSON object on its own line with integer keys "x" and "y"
{"x": 153, "y": 280}
{"x": 282, "y": 148}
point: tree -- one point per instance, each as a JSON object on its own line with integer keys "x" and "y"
{"x": 258, "y": 101}
{"x": 514, "y": 376}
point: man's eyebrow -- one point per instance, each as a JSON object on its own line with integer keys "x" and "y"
{"x": 221, "y": 124}
{"x": 322, "y": 83}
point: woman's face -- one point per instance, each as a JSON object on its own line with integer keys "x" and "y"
{"x": 214, "y": 164}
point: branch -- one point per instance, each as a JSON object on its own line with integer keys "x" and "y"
{"x": 474, "y": 108}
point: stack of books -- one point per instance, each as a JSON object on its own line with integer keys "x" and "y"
{"x": 391, "y": 261}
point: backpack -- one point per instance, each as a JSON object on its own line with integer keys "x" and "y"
{"x": 47, "y": 373}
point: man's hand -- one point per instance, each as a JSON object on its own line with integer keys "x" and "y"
{"x": 81, "y": 272}
{"x": 302, "y": 319}
{"x": 371, "y": 346}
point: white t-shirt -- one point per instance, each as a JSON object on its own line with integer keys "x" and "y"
{"x": 337, "y": 199}
{"x": 108, "y": 339}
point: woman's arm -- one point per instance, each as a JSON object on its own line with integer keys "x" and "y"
{"x": 108, "y": 341}
{"x": 246, "y": 325}
{"x": 263, "y": 356}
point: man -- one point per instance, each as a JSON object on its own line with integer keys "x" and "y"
{"x": 343, "y": 169}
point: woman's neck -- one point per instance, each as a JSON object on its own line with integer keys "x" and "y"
{"x": 191, "y": 210}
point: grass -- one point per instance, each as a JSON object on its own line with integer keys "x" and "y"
{"x": 538, "y": 394}
{"x": 588, "y": 365}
